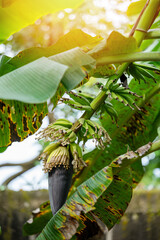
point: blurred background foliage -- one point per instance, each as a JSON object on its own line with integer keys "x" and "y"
{"x": 95, "y": 17}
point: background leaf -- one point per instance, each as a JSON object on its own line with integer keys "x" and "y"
{"x": 40, "y": 218}
{"x": 6, "y": 3}
{"x": 24, "y": 119}
{"x": 38, "y": 81}
{"x": 23, "y": 13}
{"x": 135, "y": 7}
{"x": 75, "y": 38}
{"x": 115, "y": 44}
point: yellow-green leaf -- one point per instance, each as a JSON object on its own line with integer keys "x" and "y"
{"x": 6, "y": 3}
{"x": 135, "y": 7}
{"x": 115, "y": 44}
{"x": 24, "y": 12}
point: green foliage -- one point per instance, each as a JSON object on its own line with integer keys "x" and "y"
{"x": 32, "y": 83}
{"x": 105, "y": 184}
{"x": 115, "y": 44}
{"x": 38, "y": 81}
{"x": 135, "y": 7}
{"x": 6, "y": 3}
{"x": 111, "y": 185}
{"x": 75, "y": 38}
{"x": 41, "y": 217}
{"x": 28, "y": 69}
{"x": 18, "y": 120}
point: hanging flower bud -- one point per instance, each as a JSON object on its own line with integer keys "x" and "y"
{"x": 58, "y": 157}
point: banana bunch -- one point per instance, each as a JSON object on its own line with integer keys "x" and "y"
{"x": 76, "y": 153}
{"x": 108, "y": 107}
{"x": 58, "y": 131}
{"x": 94, "y": 130}
{"x": 56, "y": 155}
{"x": 119, "y": 93}
{"x": 143, "y": 72}
{"x": 79, "y": 101}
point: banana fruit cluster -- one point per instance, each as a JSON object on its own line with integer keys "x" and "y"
{"x": 80, "y": 101}
{"x": 91, "y": 129}
{"x": 77, "y": 157}
{"x": 58, "y": 131}
{"x": 144, "y": 72}
{"x": 56, "y": 155}
{"x": 119, "y": 93}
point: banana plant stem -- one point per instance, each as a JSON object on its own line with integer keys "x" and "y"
{"x": 154, "y": 34}
{"x": 146, "y": 20}
{"x": 132, "y": 57}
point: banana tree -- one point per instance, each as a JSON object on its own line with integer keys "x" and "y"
{"x": 100, "y": 183}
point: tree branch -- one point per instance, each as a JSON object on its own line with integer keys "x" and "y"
{"x": 25, "y": 167}
{"x": 130, "y": 157}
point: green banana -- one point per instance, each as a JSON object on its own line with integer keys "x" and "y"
{"x": 129, "y": 100}
{"x": 145, "y": 73}
{"x": 147, "y": 66}
{"x": 85, "y": 125}
{"x": 111, "y": 111}
{"x": 92, "y": 124}
{"x": 79, "y": 99}
{"x": 59, "y": 156}
{"x": 81, "y": 120}
{"x": 136, "y": 74}
{"x": 88, "y": 96}
{"x": 114, "y": 95}
{"x": 72, "y": 137}
{"x": 115, "y": 87}
{"x": 76, "y": 152}
{"x": 51, "y": 147}
{"x": 126, "y": 91}
{"x": 101, "y": 86}
{"x": 63, "y": 122}
{"x": 91, "y": 131}
{"x": 75, "y": 105}
{"x": 58, "y": 127}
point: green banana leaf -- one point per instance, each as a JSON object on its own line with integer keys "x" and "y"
{"x": 33, "y": 83}
{"x": 38, "y": 81}
{"x": 15, "y": 15}
{"x": 18, "y": 119}
{"x": 75, "y": 38}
